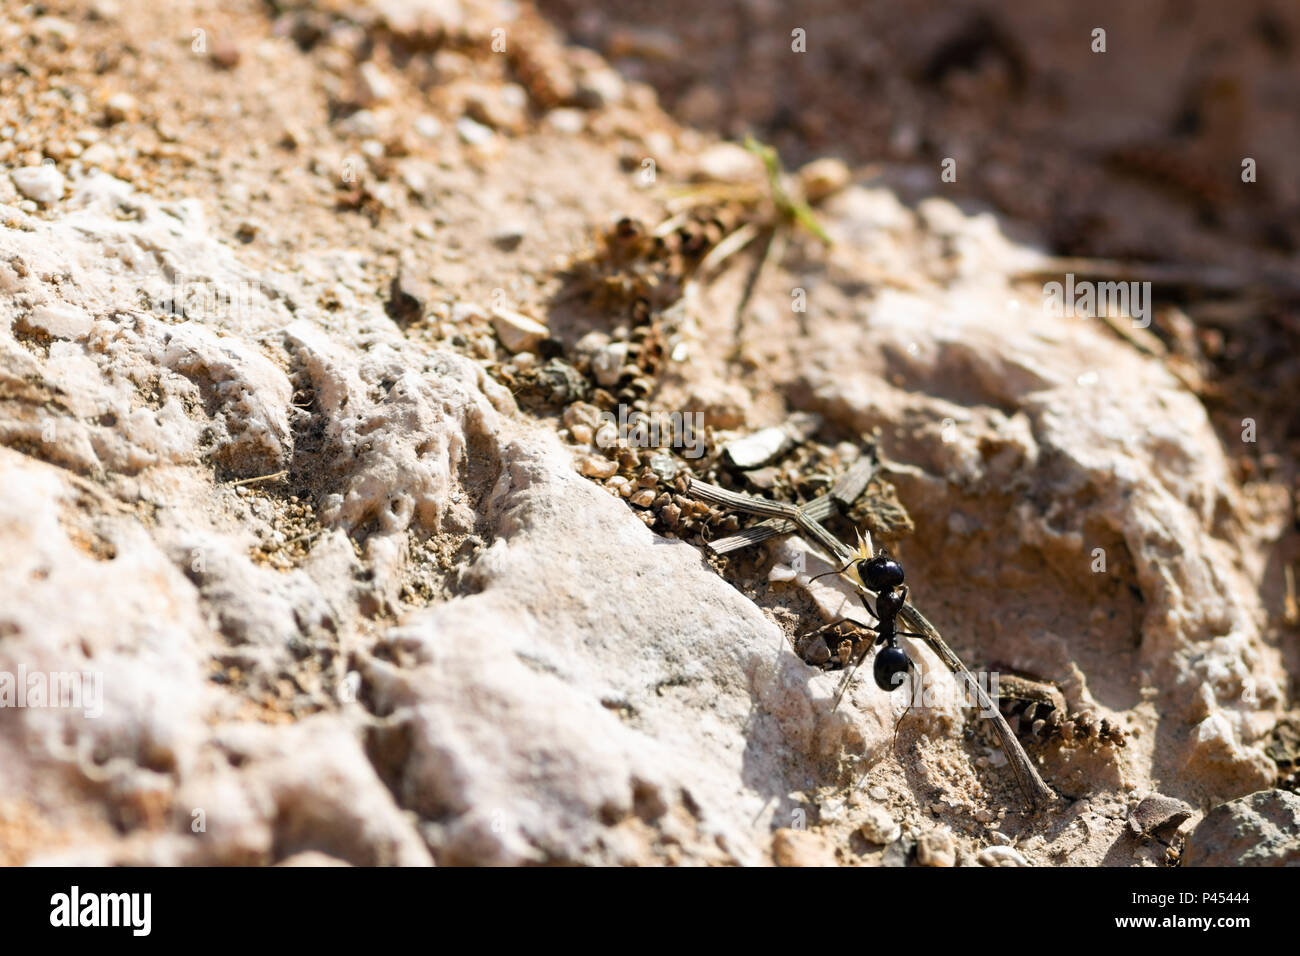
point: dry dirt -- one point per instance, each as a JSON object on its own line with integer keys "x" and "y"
{"x": 330, "y": 541}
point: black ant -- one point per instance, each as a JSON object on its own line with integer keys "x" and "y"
{"x": 883, "y": 575}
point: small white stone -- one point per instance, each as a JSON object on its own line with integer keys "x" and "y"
{"x": 781, "y": 574}
{"x": 518, "y": 332}
{"x": 373, "y": 85}
{"x": 728, "y": 163}
{"x": 607, "y": 363}
{"x": 99, "y": 154}
{"x": 1001, "y": 856}
{"x": 878, "y": 826}
{"x": 936, "y": 848}
{"x": 509, "y": 236}
{"x": 119, "y": 107}
{"x": 42, "y": 183}
{"x": 430, "y": 127}
{"x": 473, "y": 133}
{"x": 60, "y": 320}
{"x": 566, "y": 120}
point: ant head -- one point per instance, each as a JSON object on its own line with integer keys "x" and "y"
{"x": 881, "y": 572}
{"x": 891, "y": 667}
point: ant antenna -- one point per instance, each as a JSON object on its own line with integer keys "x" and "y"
{"x": 828, "y": 573}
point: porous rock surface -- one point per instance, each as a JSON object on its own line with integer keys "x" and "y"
{"x": 453, "y": 648}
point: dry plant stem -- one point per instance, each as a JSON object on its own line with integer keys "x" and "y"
{"x": 728, "y": 247}
{"x": 1037, "y": 793}
{"x": 252, "y": 481}
{"x": 1215, "y": 278}
{"x": 843, "y": 493}
{"x": 773, "y": 251}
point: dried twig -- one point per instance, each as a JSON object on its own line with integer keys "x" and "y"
{"x": 1171, "y": 274}
{"x": 843, "y": 493}
{"x": 260, "y": 478}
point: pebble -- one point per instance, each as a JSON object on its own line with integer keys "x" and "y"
{"x": 518, "y": 332}
{"x": 897, "y": 853}
{"x": 509, "y": 236}
{"x": 373, "y": 85}
{"x": 824, "y": 176}
{"x": 801, "y": 848}
{"x": 408, "y": 285}
{"x": 225, "y": 54}
{"x": 1157, "y": 812}
{"x": 1001, "y": 856}
{"x": 664, "y": 465}
{"x": 594, "y": 466}
{"x": 464, "y": 311}
{"x": 765, "y": 444}
{"x": 502, "y": 109}
{"x": 99, "y": 154}
{"x": 566, "y": 120}
{"x": 581, "y": 413}
{"x": 119, "y": 107}
{"x": 878, "y": 793}
{"x": 472, "y": 133}
{"x": 878, "y": 826}
{"x": 764, "y": 479}
{"x": 1000, "y": 838}
{"x": 727, "y": 163}
{"x": 607, "y": 363}
{"x": 43, "y": 183}
{"x": 984, "y": 815}
{"x": 644, "y": 498}
{"x": 582, "y": 434}
{"x": 782, "y": 573}
{"x": 607, "y": 435}
{"x": 430, "y": 127}
{"x": 936, "y": 848}
{"x": 600, "y": 87}
{"x": 364, "y": 124}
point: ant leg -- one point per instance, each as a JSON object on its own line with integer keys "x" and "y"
{"x": 825, "y": 627}
{"x": 911, "y": 634}
{"x": 898, "y": 723}
{"x": 848, "y": 678}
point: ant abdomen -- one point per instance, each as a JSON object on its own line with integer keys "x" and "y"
{"x": 891, "y": 667}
